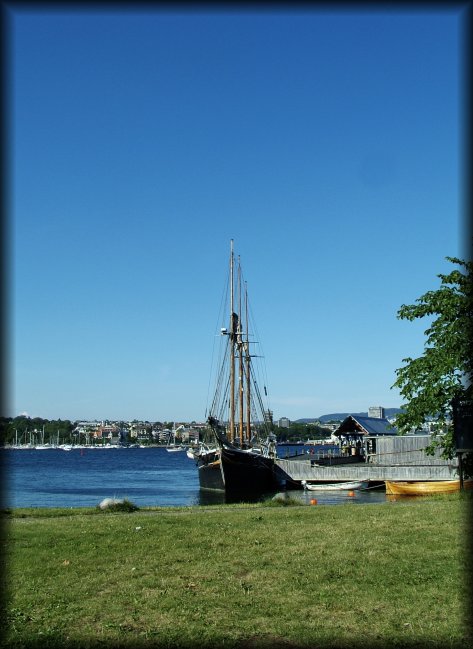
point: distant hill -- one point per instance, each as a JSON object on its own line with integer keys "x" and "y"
{"x": 340, "y": 416}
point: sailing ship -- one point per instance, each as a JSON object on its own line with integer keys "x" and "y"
{"x": 238, "y": 455}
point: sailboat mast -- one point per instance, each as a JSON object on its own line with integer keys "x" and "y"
{"x": 232, "y": 350}
{"x": 248, "y": 377}
{"x": 240, "y": 357}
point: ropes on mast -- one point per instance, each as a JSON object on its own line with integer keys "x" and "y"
{"x": 232, "y": 405}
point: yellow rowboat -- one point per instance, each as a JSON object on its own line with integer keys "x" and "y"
{"x": 425, "y": 488}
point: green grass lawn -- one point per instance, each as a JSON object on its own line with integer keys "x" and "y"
{"x": 251, "y": 576}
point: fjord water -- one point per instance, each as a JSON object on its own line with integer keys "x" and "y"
{"x": 82, "y": 477}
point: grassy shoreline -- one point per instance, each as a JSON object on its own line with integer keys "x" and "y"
{"x": 225, "y": 576}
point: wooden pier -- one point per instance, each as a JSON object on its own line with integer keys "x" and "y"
{"x": 383, "y": 458}
{"x": 295, "y": 472}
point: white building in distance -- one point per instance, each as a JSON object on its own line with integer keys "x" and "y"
{"x": 376, "y": 411}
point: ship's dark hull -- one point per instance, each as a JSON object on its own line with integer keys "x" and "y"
{"x": 245, "y": 472}
{"x": 210, "y": 477}
{"x": 210, "y": 474}
{"x": 236, "y": 472}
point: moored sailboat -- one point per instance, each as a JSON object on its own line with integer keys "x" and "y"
{"x": 172, "y": 447}
{"x": 240, "y": 452}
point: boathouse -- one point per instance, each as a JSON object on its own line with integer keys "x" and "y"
{"x": 405, "y": 450}
{"x": 354, "y": 429}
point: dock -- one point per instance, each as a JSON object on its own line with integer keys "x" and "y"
{"x": 295, "y": 471}
{"x": 383, "y": 458}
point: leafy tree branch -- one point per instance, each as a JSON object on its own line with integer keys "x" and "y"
{"x": 430, "y": 383}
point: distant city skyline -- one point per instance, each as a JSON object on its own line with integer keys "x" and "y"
{"x": 326, "y": 143}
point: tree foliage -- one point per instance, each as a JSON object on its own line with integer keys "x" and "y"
{"x": 430, "y": 383}
{"x": 19, "y": 427}
{"x": 297, "y": 431}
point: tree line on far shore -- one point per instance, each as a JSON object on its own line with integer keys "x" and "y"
{"x": 22, "y": 429}
{"x": 26, "y": 430}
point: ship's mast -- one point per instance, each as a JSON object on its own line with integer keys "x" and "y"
{"x": 232, "y": 350}
{"x": 248, "y": 369}
{"x": 240, "y": 358}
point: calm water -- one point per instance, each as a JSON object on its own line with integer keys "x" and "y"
{"x": 146, "y": 476}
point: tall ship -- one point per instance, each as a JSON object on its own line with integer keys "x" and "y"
{"x": 238, "y": 455}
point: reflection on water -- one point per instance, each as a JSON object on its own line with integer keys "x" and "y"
{"x": 207, "y": 497}
{"x": 301, "y": 496}
{"x": 341, "y": 497}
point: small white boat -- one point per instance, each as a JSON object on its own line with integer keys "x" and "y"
{"x": 172, "y": 447}
{"x": 336, "y": 486}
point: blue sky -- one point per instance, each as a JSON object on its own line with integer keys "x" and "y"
{"x": 326, "y": 144}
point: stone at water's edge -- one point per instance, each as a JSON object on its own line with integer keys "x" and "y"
{"x": 108, "y": 502}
